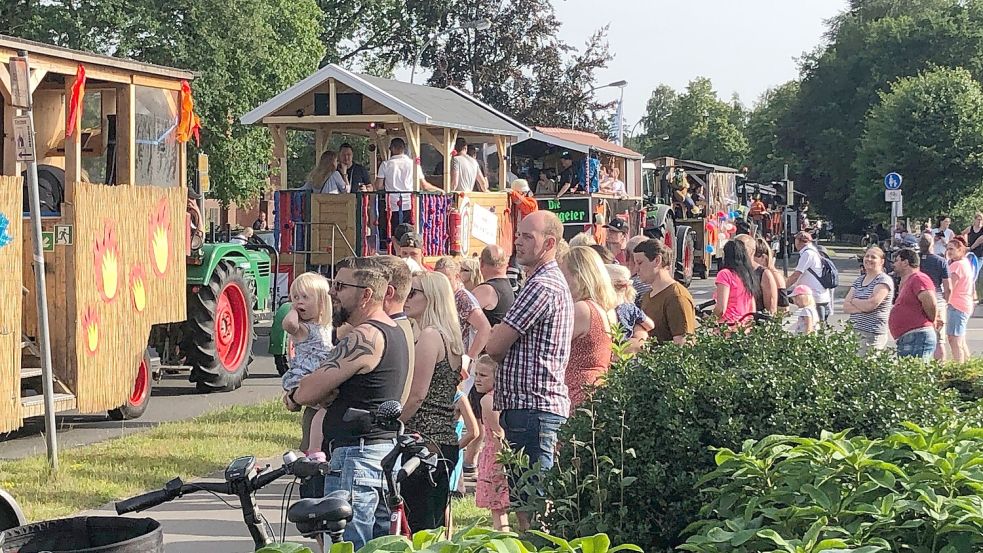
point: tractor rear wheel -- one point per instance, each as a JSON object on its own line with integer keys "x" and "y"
{"x": 139, "y": 398}
{"x": 218, "y": 338}
{"x": 684, "y": 255}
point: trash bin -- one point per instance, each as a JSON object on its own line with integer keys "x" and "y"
{"x": 87, "y": 535}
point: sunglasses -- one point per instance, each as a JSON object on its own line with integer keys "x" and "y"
{"x": 414, "y": 292}
{"x": 340, "y": 286}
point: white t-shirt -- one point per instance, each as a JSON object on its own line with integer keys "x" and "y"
{"x": 335, "y": 185}
{"x": 809, "y": 259}
{"x": 397, "y": 173}
{"x": 801, "y": 314}
{"x": 938, "y": 245}
{"x": 467, "y": 171}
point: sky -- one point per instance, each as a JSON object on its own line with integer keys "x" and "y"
{"x": 743, "y": 46}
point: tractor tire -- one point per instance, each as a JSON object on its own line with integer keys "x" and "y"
{"x": 282, "y": 364}
{"x": 219, "y": 334}
{"x": 139, "y": 398}
{"x": 685, "y": 255}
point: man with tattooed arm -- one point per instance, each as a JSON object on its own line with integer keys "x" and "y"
{"x": 366, "y": 368}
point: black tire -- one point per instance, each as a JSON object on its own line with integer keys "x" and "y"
{"x": 685, "y": 256}
{"x": 11, "y": 515}
{"x": 282, "y": 365}
{"x": 208, "y": 371}
{"x": 139, "y": 398}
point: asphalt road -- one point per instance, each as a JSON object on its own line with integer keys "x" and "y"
{"x": 173, "y": 398}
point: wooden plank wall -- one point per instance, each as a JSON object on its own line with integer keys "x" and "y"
{"x": 328, "y": 210}
{"x": 129, "y": 275}
{"x": 11, "y": 205}
{"x": 499, "y": 203}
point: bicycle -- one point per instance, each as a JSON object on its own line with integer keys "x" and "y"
{"x": 313, "y": 517}
{"x": 704, "y": 312}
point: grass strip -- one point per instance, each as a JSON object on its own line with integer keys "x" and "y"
{"x": 96, "y": 474}
{"x": 93, "y": 475}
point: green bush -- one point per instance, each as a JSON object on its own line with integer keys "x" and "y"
{"x": 629, "y": 460}
{"x": 965, "y": 378}
{"x": 917, "y": 490}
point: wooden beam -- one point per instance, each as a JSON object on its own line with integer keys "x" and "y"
{"x": 413, "y": 137}
{"x": 73, "y": 144}
{"x": 446, "y": 151}
{"x": 126, "y": 151}
{"x": 157, "y": 82}
{"x": 11, "y": 166}
{"x": 280, "y": 153}
{"x": 332, "y": 98}
{"x": 328, "y": 119}
{"x": 37, "y": 75}
{"x": 5, "y": 81}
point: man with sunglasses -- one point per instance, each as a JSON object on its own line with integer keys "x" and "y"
{"x": 367, "y": 368}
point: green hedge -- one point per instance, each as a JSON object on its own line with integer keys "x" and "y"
{"x": 629, "y": 461}
{"x": 916, "y": 490}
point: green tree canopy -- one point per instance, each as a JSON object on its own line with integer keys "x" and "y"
{"x": 928, "y": 128}
{"x": 767, "y": 136}
{"x": 698, "y": 124}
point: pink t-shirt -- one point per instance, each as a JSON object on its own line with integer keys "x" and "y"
{"x": 961, "y": 278}
{"x": 907, "y": 313}
{"x": 740, "y": 302}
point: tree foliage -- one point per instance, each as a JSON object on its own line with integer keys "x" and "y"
{"x": 698, "y": 124}
{"x": 520, "y": 66}
{"x": 767, "y": 136}
{"x": 929, "y": 128}
{"x": 870, "y": 46}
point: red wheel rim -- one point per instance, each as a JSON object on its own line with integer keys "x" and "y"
{"x": 231, "y": 321}
{"x": 140, "y": 386}
{"x": 688, "y": 260}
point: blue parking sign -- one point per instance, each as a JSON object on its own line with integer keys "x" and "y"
{"x": 892, "y": 181}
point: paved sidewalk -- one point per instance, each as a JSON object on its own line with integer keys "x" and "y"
{"x": 201, "y": 523}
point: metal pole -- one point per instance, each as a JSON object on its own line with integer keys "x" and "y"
{"x": 419, "y": 55}
{"x": 51, "y": 440}
{"x": 788, "y": 224}
{"x": 621, "y": 118}
{"x": 894, "y": 224}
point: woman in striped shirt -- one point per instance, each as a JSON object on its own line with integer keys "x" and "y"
{"x": 869, "y": 302}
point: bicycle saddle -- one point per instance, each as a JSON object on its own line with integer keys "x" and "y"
{"x": 330, "y": 513}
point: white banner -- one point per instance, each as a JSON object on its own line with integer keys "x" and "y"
{"x": 484, "y": 224}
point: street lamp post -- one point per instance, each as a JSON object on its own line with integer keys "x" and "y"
{"x": 477, "y": 25}
{"x": 621, "y": 105}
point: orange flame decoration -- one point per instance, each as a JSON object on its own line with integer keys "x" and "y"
{"x": 107, "y": 262}
{"x": 90, "y": 330}
{"x": 138, "y": 288}
{"x": 158, "y": 230}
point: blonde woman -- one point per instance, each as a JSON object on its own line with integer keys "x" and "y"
{"x": 582, "y": 239}
{"x": 471, "y": 273}
{"x": 429, "y": 409}
{"x": 325, "y": 178}
{"x": 635, "y": 324}
{"x": 594, "y": 302}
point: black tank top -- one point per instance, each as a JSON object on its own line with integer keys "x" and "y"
{"x": 973, "y": 237}
{"x": 368, "y": 391}
{"x": 506, "y": 297}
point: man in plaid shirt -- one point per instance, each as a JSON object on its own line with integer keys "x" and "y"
{"x": 532, "y": 345}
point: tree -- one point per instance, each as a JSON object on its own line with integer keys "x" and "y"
{"x": 928, "y": 128}
{"x": 767, "y": 137}
{"x": 519, "y": 66}
{"x": 868, "y": 47}
{"x": 699, "y": 125}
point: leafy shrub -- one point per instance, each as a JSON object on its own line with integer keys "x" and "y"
{"x": 468, "y": 540}
{"x": 658, "y": 415}
{"x": 917, "y": 490}
{"x": 966, "y": 378}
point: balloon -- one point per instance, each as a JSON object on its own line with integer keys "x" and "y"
{"x": 709, "y": 249}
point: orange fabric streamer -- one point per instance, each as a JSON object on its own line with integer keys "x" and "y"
{"x": 188, "y": 123}
{"x": 75, "y": 102}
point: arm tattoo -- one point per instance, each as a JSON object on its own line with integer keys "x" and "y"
{"x": 354, "y": 346}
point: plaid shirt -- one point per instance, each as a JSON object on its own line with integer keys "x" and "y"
{"x": 532, "y": 374}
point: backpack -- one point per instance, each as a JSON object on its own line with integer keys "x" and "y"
{"x": 830, "y": 277}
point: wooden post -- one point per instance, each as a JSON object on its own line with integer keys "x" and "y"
{"x": 126, "y": 151}
{"x": 332, "y": 98}
{"x": 280, "y": 153}
{"x": 413, "y": 136}
{"x": 73, "y": 144}
{"x": 503, "y": 169}
{"x": 448, "y": 147}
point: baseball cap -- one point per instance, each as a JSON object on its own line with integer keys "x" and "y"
{"x": 567, "y": 155}
{"x": 617, "y": 224}
{"x": 402, "y": 229}
{"x": 801, "y": 290}
{"x": 411, "y": 240}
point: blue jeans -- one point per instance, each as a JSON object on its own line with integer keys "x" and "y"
{"x": 534, "y": 432}
{"x": 360, "y": 469}
{"x": 917, "y": 343}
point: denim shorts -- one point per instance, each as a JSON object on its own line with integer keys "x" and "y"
{"x": 535, "y": 433}
{"x": 358, "y": 470}
{"x": 956, "y": 322}
{"x": 917, "y": 343}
